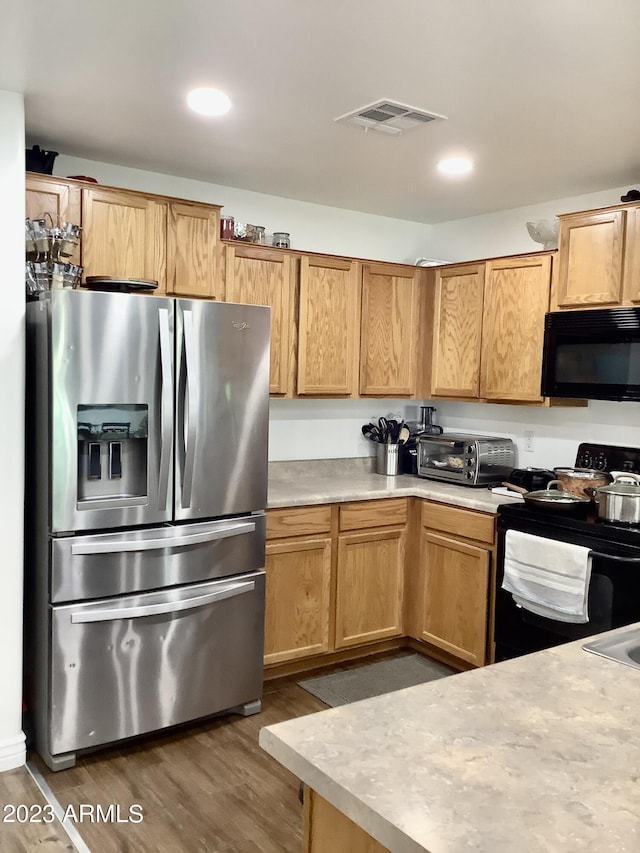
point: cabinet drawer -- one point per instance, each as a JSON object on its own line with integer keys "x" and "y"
{"x": 461, "y": 522}
{"x": 355, "y": 516}
{"x": 298, "y": 521}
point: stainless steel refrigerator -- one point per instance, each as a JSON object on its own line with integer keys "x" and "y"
{"x": 147, "y": 422}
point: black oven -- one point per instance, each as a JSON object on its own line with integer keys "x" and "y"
{"x": 592, "y": 355}
{"x": 614, "y": 589}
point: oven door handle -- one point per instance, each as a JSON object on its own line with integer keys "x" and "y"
{"x": 615, "y": 559}
{"x": 114, "y": 613}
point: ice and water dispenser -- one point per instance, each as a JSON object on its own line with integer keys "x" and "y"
{"x": 112, "y": 452}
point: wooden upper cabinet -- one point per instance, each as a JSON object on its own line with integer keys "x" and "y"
{"x": 259, "y": 276}
{"x": 590, "y": 259}
{"x": 192, "y": 237}
{"x": 389, "y": 330}
{"x": 124, "y": 235}
{"x": 329, "y": 331}
{"x": 56, "y": 197}
{"x": 631, "y": 284}
{"x": 516, "y": 298}
{"x": 457, "y": 334}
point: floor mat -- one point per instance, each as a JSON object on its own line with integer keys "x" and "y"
{"x": 374, "y": 679}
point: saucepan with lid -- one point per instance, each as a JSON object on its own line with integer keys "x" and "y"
{"x": 619, "y": 502}
{"x": 555, "y": 499}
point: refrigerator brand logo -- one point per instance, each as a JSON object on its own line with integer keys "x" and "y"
{"x": 239, "y": 326}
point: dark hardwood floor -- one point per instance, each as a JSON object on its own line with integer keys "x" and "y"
{"x": 17, "y": 788}
{"x": 205, "y": 788}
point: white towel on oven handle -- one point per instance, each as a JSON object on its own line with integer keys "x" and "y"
{"x": 547, "y": 577}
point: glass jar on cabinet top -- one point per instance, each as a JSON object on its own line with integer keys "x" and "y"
{"x": 281, "y": 240}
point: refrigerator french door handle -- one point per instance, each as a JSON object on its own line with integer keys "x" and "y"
{"x": 192, "y": 405}
{"x": 116, "y": 547}
{"x": 166, "y": 407}
{"x": 108, "y": 613}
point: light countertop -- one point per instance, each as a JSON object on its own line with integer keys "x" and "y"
{"x": 540, "y": 753}
{"x": 338, "y": 480}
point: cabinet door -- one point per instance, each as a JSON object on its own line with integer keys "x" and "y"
{"x": 590, "y": 259}
{"x": 259, "y": 276}
{"x": 297, "y": 598}
{"x": 192, "y": 237}
{"x": 124, "y": 235}
{"x": 389, "y": 330}
{"x": 369, "y": 586}
{"x": 516, "y": 298}
{"x": 61, "y": 200}
{"x": 328, "y": 337}
{"x": 632, "y": 257}
{"x": 457, "y": 331}
{"x": 453, "y": 596}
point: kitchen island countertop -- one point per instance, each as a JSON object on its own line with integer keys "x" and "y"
{"x": 539, "y": 753}
{"x": 335, "y": 481}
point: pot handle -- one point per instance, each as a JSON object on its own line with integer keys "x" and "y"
{"x": 627, "y": 478}
{"x": 517, "y": 489}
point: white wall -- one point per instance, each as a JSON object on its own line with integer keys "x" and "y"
{"x": 557, "y": 432}
{"x": 324, "y": 429}
{"x": 505, "y": 232}
{"x": 313, "y": 227}
{"x": 12, "y": 746}
{"x": 320, "y": 429}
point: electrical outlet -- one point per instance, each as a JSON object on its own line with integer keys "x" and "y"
{"x": 528, "y": 440}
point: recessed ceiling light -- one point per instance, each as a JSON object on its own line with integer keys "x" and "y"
{"x": 455, "y": 166}
{"x": 208, "y": 102}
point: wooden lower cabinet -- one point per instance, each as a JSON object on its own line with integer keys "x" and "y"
{"x": 297, "y": 598}
{"x": 449, "y": 585}
{"x": 346, "y": 576}
{"x": 453, "y": 596}
{"x": 328, "y": 830}
{"x": 370, "y": 580}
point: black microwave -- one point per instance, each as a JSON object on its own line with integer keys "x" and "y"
{"x": 592, "y": 355}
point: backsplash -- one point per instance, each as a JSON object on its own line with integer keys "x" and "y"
{"x": 330, "y": 429}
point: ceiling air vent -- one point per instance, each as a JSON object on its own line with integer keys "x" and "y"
{"x": 388, "y": 117}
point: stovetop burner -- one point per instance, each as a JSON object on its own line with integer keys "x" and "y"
{"x": 604, "y": 457}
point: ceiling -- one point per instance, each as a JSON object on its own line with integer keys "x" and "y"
{"x": 544, "y": 96}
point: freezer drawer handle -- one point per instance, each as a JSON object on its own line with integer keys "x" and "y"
{"x": 110, "y": 614}
{"x": 155, "y": 544}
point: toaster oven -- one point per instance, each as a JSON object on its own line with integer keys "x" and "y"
{"x": 470, "y": 460}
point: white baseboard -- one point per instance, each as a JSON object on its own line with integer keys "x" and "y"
{"x": 13, "y": 753}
